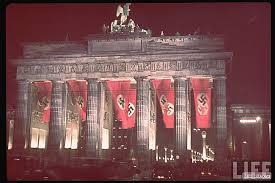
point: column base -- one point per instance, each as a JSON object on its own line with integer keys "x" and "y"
{"x": 55, "y": 158}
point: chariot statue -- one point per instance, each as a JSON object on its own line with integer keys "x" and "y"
{"x": 122, "y": 25}
{"x": 124, "y": 12}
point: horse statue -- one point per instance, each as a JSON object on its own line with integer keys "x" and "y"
{"x": 124, "y": 12}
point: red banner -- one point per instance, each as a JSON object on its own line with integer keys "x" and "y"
{"x": 202, "y": 98}
{"x": 124, "y": 100}
{"x": 79, "y": 91}
{"x": 165, "y": 96}
{"x": 131, "y": 110}
{"x": 44, "y": 90}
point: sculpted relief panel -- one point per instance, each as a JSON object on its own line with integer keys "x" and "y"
{"x": 54, "y": 71}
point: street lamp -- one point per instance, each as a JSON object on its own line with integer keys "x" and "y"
{"x": 171, "y": 157}
{"x": 157, "y": 153}
{"x": 165, "y": 151}
{"x": 196, "y": 129}
{"x": 203, "y": 134}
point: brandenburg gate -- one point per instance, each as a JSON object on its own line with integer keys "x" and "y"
{"x": 130, "y": 54}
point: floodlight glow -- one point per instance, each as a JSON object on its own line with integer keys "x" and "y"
{"x": 258, "y": 118}
{"x": 246, "y": 121}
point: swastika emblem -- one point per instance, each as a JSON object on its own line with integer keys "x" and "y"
{"x": 121, "y": 102}
{"x": 131, "y": 109}
{"x": 167, "y": 107}
{"x": 202, "y": 104}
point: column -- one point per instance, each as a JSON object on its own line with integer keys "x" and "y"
{"x": 64, "y": 112}
{"x": 188, "y": 109}
{"x": 21, "y": 126}
{"x": 221, "y": 121}
{"x": 92, "y": 134}
{"x": 65, "y": 154}
{"x": 101, "y": 116}
{"x": 259, "y": 138}
{"x": 152, "y": 125}
{"x": 56, "y": 125}
{"x": 181, "y": 116}
{"x": 142, "y": 119}
{"x": 269, "y": 133}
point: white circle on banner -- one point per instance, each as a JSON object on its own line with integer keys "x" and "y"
{"x": 121, "y": 101}
{"x": 202, "y": 104}
{"x": 170, "y": 109}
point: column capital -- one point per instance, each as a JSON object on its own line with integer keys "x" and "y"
{"x": 180, "y": 77}
{"x": 140, "y": 78}
{"x": 58, "y": 81}
{"x": 24, "y": 81}
{"x": 220, "y": 77}
{"x": 92, "y": 79}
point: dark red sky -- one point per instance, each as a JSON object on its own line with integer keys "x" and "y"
{"x": 246, "y": 27}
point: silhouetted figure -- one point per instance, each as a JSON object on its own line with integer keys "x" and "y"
{"x": 137, "y": 175}
{"x": 197, "y": 31}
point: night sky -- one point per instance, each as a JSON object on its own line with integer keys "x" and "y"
{"x": 246, "y": 27}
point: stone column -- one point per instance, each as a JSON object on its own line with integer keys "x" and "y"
{"x": 181, "y": 116}
{"x": 221, "y": 120}
{"x": 66, "y": 153}
{"x": 28, "y": 122}
{"x": 269, "y": 134}
{"x": 143, "y": 119}
{"x": 152, "y": 125}
{"x": 188, "y": 109}
{"x": 259, "y": 138}
{"x": 101, "y": 117}
{"x": 56, "y": 125}
{"x": 64, "y": 112}
{"x": 92, "y": 133}
{"x": 22, "y": 124}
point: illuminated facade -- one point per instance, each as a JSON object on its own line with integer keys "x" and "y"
{"x": 77, "y": 124}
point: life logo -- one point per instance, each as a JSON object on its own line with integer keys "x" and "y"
{"x": 167, "y": 107}
{"x": 202, "y": 104}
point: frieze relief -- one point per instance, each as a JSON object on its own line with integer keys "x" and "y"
{"x": 216, "y": 65}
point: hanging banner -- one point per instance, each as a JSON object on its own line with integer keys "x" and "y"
{"x": 124, "y": 100}
{"x": 131, "y": 110}
{"x": 202, "y": 99}
{"x": 42, "y": 100}
{"x": 165, "y": 96}
{"x": 78, "y": 94}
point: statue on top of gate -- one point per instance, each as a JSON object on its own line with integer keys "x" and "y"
{"x": 124, "y": 12}
{"x": 123, "y": 24}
